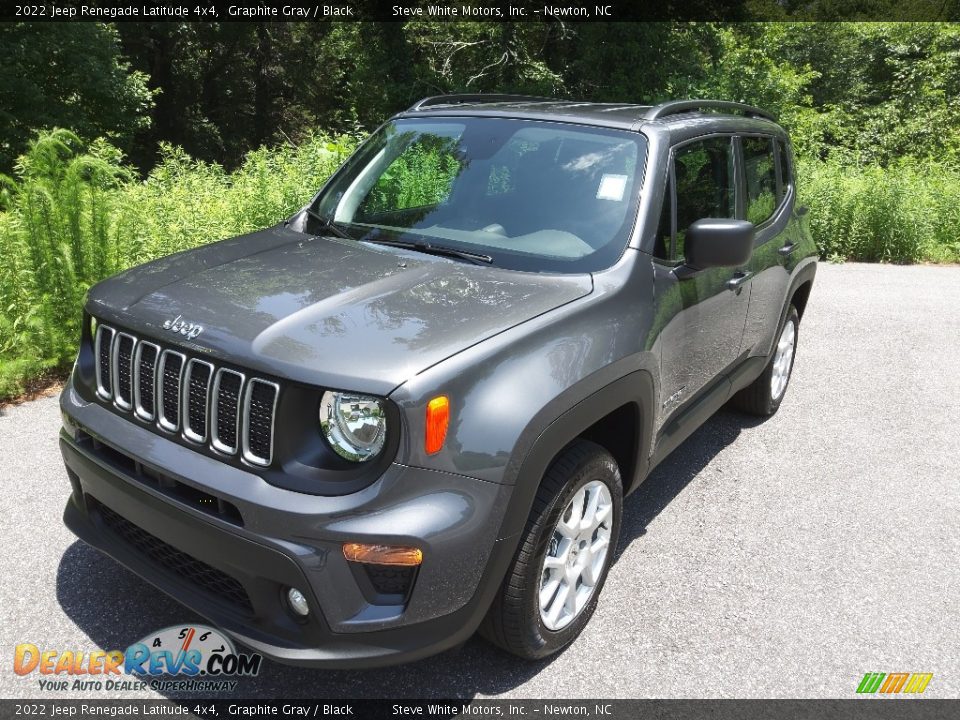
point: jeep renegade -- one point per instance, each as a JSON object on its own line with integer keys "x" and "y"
{"x": 412, "y": 410}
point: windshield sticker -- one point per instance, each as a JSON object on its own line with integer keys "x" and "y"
{"x": 612, "y": 187}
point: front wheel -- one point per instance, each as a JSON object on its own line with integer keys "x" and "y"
{"x": 569, "y": 541}
{"x": 764, "y": 395}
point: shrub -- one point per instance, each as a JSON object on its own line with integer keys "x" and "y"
{"x": 74, "y": 215}
{"x": 905, "y": 213}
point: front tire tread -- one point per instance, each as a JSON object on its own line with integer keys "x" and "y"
{"x": 508, "y": 623}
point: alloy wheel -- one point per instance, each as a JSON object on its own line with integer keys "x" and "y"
{"x": 576, "y": 555}
{"x": 783, "y": 360}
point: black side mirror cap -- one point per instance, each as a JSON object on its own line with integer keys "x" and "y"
{"x": 718, "y": 242}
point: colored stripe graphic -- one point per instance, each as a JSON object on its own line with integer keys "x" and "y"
{"x": 894, "y": 683}
{"x": 870, "y": 682}
{"x": 918, "y": 682}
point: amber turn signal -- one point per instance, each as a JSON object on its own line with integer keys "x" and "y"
{"x": 438, "y": 417}
{"x": 382, "y": 554}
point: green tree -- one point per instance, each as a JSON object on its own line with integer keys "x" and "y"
{"x": 68, "y": 75}
{"x": 880, "y": 91}
{"x": 640, "y": 63}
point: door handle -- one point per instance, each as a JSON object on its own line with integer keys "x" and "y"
{"x": 787, "y": 249}
{"x": 738, "y": 280}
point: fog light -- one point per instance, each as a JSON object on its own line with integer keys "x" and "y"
{"x": 298, "y": 603}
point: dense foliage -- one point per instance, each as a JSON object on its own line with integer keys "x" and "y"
{"x": 68, "y": 75}
{"x": 869, "y": 92}
{"x": 76, "y": 214}
{"x": 168, "y": 124}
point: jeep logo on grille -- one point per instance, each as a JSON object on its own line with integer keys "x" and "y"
{"x": 178, "y": 325}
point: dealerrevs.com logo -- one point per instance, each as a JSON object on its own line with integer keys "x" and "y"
{"x": 202, "y": 654}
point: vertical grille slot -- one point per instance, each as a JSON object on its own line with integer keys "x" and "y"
{"x": 196, "y": 391}
{"x": 168, "y": 389}
{"x": 104, "y": 348}
{"x": 145, "y": 380}
{"x": 225, "y": 410}
{"x": 122, "y": 375}
{"x": 259, "y": 405}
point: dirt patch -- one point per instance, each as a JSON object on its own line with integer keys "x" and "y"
{"x": 43, "y": 386}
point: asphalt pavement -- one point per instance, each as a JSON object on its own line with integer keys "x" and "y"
{"x": 783, "y": 558}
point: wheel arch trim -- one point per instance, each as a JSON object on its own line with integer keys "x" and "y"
{"x": 636, "y": 388}
{"x": 805, "y": 272}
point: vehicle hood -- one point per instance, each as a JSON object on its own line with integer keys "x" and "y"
{"x": 327, "y": 311}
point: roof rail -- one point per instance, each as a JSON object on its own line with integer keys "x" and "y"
{"x": 678, "y": 106}
{"x": 461, "y": 99}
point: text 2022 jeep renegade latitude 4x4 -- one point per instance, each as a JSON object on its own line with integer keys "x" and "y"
{"x": 413, "y": 409}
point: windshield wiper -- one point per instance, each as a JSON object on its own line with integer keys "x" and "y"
{"x": 329, "y": 225}
{"x": 431, "y": 249}
{"x": 421, "y": 246}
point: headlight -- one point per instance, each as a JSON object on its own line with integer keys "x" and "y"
{"x": 354, "y": 425}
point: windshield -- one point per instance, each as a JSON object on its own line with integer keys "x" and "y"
{"x": 536, "y": 196}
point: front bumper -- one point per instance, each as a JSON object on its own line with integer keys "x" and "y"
{"x": 227, "y": 544}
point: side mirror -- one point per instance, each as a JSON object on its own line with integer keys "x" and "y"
{"x": 718, "y": 242}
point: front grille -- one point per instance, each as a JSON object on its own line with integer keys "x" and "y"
{"x": 187, "y": 567}
{"x": 221, "y": 407}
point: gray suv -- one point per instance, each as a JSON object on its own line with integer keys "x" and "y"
{"x": 413, "y": 410}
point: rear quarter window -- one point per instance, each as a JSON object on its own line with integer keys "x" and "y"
{"x": 760, "y": 174}
{"x": 786, "y": 169}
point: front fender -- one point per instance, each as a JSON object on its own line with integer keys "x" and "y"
{"x": 505, "y": 391}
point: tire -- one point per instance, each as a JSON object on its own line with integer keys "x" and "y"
{"x": 764, "y": 395}
{"x": 516, "y": 622}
